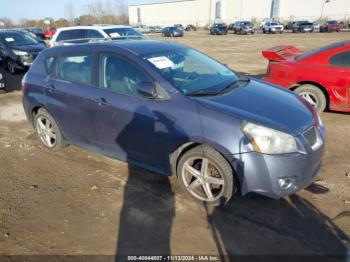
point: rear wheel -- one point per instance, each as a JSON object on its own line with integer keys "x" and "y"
{"x": 313, "y": 95}
{"x": 206, "y": 176}
{"x": 47, "y": 130}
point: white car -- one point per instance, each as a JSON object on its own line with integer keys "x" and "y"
{"x": 83, "y": 34}
{"x": 143, "y": 29}
{"x": 272, "y": 27}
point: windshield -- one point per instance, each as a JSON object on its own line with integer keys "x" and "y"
{"x": 115, "y": 32}
{"x": 191, "y": 71}
{"x": 332, "y": 22}
{"x": 274, "y": 24}
{"x": 246, "y": 23}
{"x": 18, "y": 39}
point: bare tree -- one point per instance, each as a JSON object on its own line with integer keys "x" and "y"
{"x": 70, "y": 12}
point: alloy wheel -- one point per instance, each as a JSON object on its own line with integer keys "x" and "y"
{"x": 11, "y": 66}
{"x": 203, "y": 179}
{"x": 311, "y": 98}
{"x": 46, "y": 131}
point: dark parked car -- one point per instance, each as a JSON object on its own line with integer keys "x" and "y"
{"x": 218, "y": 29}
{"x": 243, "y": 27}
{"x": 191, "y": 28}
{"x": 172, "y": 31}
{"x": 173, "y": 110}
{"x": 2, "y": 83}
{"x": 18, "y": 50}
{"x": 180, "y": 26}
{"x": 289, "y": 25}
{"x": 38, "y": 32}
{"x": 303, "y": 27}
{"x": 331, "y": 26}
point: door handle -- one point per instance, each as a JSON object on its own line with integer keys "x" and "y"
{"x": 100, "y": 101}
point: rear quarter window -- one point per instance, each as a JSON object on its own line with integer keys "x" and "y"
{"x": 341, "y": 59}
{"x": 50, "y": 63}
{"x": 76, "y": 68}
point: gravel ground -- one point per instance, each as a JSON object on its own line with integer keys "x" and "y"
{"x": 76, "y": 202}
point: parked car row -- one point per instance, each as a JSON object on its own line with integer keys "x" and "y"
{"x": 277, "y": 130}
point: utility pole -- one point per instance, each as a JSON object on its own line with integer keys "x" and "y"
{"x": 240, "y": 13}
{"x": 324, "y": 2}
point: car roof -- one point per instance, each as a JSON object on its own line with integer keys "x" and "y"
{"x": 137, "y": 47}
{"x": 15, "y": 31}
{"x": 93, "y": 27}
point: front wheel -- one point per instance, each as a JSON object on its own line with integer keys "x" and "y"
{"x": 47, "y": 130}
{"x": 11, "y": 66}
{"x": 313, "y": 95}
{"x": 206, "y": 176}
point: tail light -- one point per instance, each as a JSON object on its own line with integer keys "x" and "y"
{"x": 24, "y": 85}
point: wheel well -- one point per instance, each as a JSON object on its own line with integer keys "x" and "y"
{"x": 180, "y": 151}
{"x": 35, "y": 110}
{"x": 319, "y": 86}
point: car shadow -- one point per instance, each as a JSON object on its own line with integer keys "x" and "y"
{"x": 12, "y": 82}
{"x": 251, "y": 225}
{"x": 148, "y": 204}
{"x": 257, "y": 225}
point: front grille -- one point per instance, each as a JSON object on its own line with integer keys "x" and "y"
{"x": 311, "y": 136}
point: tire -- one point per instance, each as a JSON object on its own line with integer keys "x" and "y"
{"x": 270, "y": 31}
{"x": 10, "y": 66}
{"x": 264, "y": 32}
{"x": 218, "y": 169}
{"x": 313, "y": 95}
{"x": 47, "y": 130}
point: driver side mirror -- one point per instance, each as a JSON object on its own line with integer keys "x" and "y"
{"x": 147, "y": 89}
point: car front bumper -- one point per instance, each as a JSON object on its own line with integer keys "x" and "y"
{"x": 260, "y": 173}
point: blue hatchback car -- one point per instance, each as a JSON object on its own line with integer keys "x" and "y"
{"x": 173, "y": 110}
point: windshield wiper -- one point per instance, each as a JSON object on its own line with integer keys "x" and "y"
{"x": 203, "y": 93}
{"x": 235, "y": 84}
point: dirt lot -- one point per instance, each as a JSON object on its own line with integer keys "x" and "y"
{"x": 76, "y": 202}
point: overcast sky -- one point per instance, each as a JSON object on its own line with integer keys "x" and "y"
{"x": 37, "y": 9}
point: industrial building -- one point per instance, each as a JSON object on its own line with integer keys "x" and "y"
{"x": 204, "y": 12}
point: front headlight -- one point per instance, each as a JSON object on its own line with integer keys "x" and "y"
{"x": 19, "y": 52}
{"x": 269, "y": 141}
{"x": 1, "y": 77}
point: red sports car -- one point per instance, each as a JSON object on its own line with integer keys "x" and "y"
{"x": 48, "y": 33}
{"x": 321, "y": 76}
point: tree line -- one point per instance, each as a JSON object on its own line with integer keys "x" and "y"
{"x": 96, "y": 12}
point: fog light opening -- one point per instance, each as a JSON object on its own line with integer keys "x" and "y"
{"x": 286, "y": 183}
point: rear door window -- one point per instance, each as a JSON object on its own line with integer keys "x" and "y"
{"x": 120, "y": 75}
{"x": 64, "y": 35}
{"x": 76, "y": 68}
{"x": 79, "y": 34}
{"x": 341, "y": 59}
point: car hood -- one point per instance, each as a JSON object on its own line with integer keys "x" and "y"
{"x": 264, "y": 104}
{"x": 31, "y": 48}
